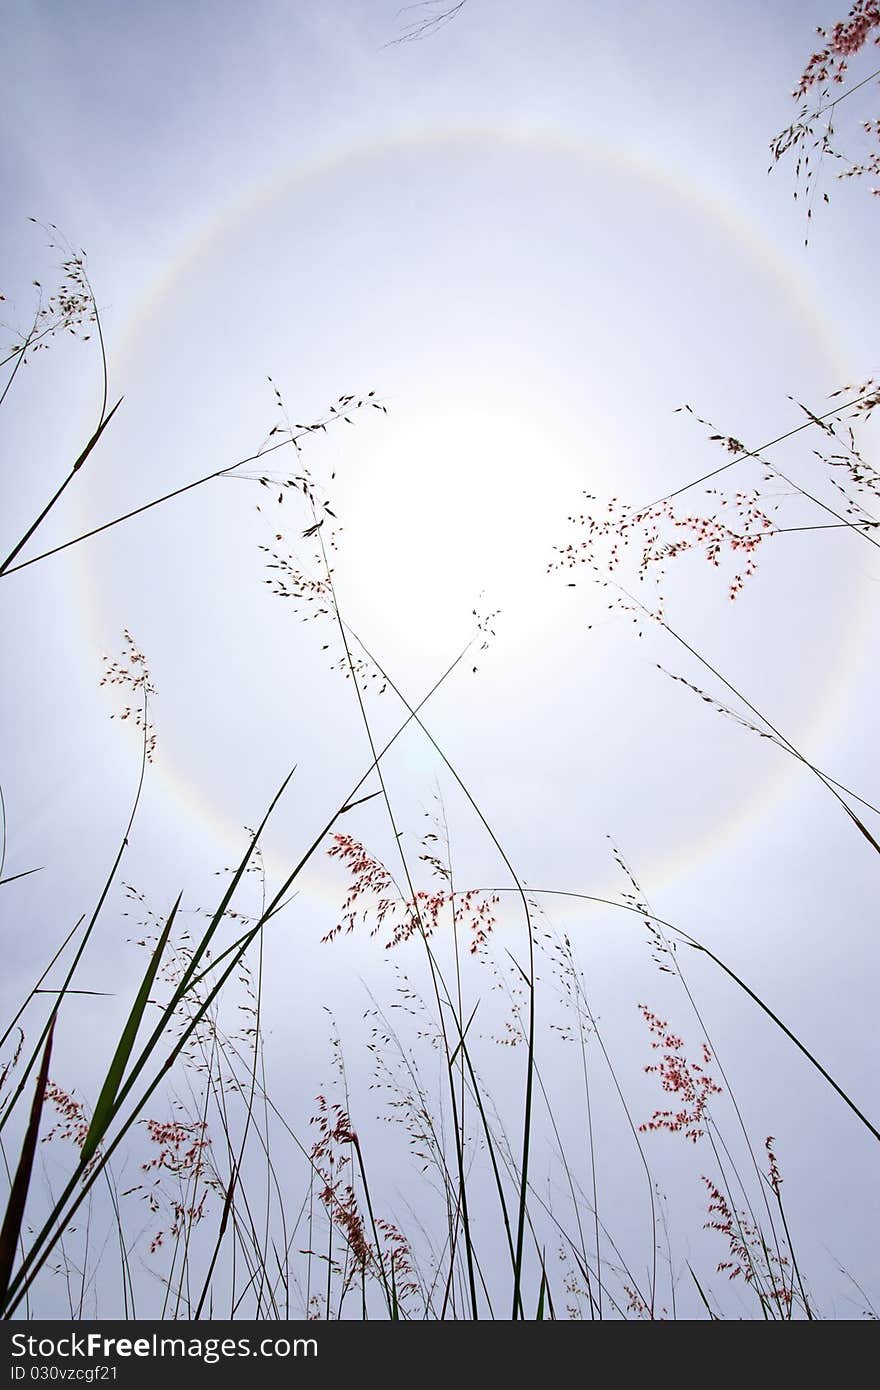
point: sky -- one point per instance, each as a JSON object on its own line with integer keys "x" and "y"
{"x": 533, "y": 235}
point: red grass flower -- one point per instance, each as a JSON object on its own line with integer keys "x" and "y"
{"x": 374, "y": 897}
{"x": 688, "y": 1081}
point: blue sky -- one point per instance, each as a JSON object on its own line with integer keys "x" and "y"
{"x": 534, "y": 235}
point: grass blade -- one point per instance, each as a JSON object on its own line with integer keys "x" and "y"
{"x": 703, "y": 1297}
{"x": 105, "y": 1106}
{"x": 12, "y": 1221}
{"x": 11, "y": 878}
{"x": 35, "y": 525}
{"x": 539, "y": 1316}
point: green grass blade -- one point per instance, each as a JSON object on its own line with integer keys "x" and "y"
{"x": 34, "y": 526}
{"x": 12, "y": 1221}
{"x": 106, "y": 1104}
{"x": 703, "y": 1297}
{"x": 190, "y": 977}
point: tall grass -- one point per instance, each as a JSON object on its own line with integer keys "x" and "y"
{"x": 242, "y": 1210}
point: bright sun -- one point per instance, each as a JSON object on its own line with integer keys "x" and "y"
{"x": 453, "y": 517}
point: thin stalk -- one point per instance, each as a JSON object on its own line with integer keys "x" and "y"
{"x": 530, "y": 1063}
{"x": 111, "y": 877}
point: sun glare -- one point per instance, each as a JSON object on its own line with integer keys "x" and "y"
{"x": 455, "y": 517}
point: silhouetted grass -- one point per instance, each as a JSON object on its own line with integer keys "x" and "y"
{"x": 272, "y": 1217}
